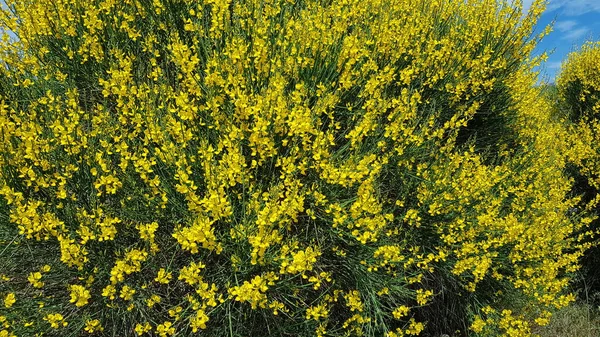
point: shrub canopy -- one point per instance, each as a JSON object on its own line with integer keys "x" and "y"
{"x": 578, "y": 87}
{"x": 250, "y": 168}
{"x": 579, "y": 82}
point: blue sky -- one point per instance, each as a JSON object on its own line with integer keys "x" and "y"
{"x": 576, "y": 21}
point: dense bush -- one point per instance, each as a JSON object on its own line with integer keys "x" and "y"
{"x": 579, "y": 82}
{"x": 251, "y": 168}
{"x": 578, "y": 87}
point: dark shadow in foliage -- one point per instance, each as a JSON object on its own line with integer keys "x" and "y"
{"x": 576, "y": 108}
{"x": 446, "y": 313}
{"x": 491, "y": 128}
{"x": 577, "y": 111}
{"x": 589, "y": 278}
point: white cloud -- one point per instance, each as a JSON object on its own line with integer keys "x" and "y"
{"x": 553, "y": 65}
{"x": 564, "y": 26}
{"x": 570, "y": 31}
{"x": 574, "y": 34}
{"x": 568, "y": 7}
{"x": 574, "y": 7}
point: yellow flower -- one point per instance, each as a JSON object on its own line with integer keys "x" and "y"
{"x": 415, "y": 328}
{"x": 317, "y": 312}
{"x": 109, "y": 291}
{"x": 478, "y": 325}
{"x": 423, "y": 296}
{"x": 140, "y": 329}
{"x": 198, "y": 321}
{"x": 383, "y": 291}
{"x": 353, "y": 301}
{"x": 174, "y": 312}
{"x": 9, "y": 300}
{"x": 153, "y": 300}
{"x": 301, "y": 261}
{"x": 277, "y": 307}
{"x": 79, "y": 295}
{"x": 253, "y": 292}
{"x": 400, "y": 311}
{"x": 165, "y": 329}
{"x": 34, "y": 279}
{"x": 147, "y": 231}
{"x": 55, "y": 320}
{"x": 191, "y": 274}
{"x": 127, "y": 293}
{"x": 92, "y": 326}
{"x": 163, "y": 277}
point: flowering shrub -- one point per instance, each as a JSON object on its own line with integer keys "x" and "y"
{"x": 280, "y": 167}
{"x": 579, "y": 93}
{"x": 579, "y": 82}
{"x": 578, "y": 87}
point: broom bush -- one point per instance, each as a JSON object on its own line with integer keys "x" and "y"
{"x": 578, "y": 87}
{"x": 278, "y": 168}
